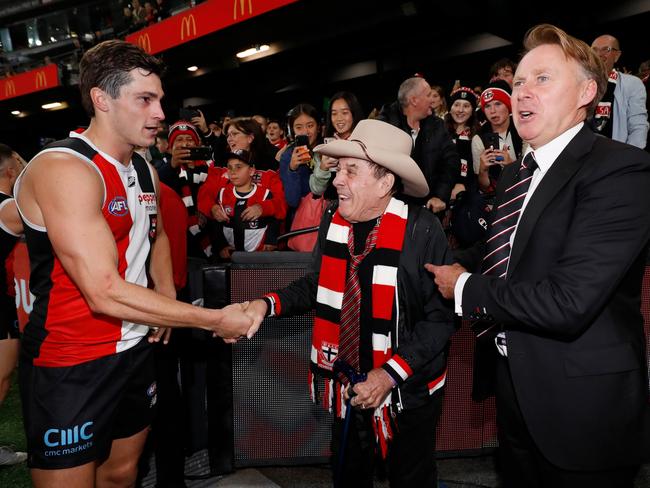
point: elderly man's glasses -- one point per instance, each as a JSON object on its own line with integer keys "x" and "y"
{"x": 602, "y": 50}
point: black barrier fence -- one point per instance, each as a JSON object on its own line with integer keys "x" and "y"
{"x": 254, "y": 396}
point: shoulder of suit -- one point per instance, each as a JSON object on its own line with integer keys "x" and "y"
{"x": 609, "y": 153}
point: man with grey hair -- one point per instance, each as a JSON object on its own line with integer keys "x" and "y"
{"x": 433, "y": 149}
{"x": 621, "y": 114}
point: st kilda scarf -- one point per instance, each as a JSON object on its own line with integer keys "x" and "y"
{"x": 603, "y": 116}
{"x": 191, "y": 179}
{"x": 329, "y": 299}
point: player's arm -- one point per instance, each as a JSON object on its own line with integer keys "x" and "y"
{"x": 83, "y": 242}
{"x": 9, "y": 218}
{"x": 160, "y": 263}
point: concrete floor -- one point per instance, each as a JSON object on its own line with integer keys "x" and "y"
{"x": 468, "y": 472}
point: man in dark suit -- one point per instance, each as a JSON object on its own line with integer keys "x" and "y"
{"x": 561, "y": 282}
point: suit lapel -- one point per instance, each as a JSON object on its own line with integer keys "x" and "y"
{"x": 565, "y": 166}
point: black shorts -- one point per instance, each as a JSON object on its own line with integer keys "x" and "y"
{"x": 72, "y": 414}
{"x": 8, "y": 318}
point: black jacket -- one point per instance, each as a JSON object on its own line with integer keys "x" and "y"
{"x": 434, "y": 151}
{"x": 426, "y": 320}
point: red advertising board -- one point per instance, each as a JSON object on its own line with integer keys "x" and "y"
{"x": 201, "y": 20}
{"x": 29, "y": 82}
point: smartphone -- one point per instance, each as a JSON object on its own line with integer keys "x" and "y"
{"x": 302, "y": 140}
{"x": 491, "y": 139}
{"x": 188, "y": 113}
{"x": 200, "y": 153}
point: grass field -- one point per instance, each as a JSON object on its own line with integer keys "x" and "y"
{"x": 11, "y": 434}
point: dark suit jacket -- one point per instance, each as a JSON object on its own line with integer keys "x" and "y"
{"x": 434, "y": 152}
{"x": 571, "y": 302}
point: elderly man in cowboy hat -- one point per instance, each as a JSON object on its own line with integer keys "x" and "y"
{"x": 377, "y": 309}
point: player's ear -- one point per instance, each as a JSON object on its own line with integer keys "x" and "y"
{"x": 99, "y": 98}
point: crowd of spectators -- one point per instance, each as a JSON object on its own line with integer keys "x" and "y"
{"x": 136, "y": 16}
{"x": 253, "y": 175}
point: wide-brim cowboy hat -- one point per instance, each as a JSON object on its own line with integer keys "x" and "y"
{"x": 385, "y": 145}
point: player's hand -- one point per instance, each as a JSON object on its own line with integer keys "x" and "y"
{"x": 157, "y": 334}
{"x": 234, "y": 323}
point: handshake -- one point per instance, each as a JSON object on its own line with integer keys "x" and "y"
{"x": 241, "y": 320}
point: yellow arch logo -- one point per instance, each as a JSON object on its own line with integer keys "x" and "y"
{"x": 41, "y": 80}
{"x": 242, "y": 6}
{"x": 10, "y": 88}
{"x": 188, "y": 27}
{"x": 144, "y": 41}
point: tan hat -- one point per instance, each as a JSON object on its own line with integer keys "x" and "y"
{"x": 385, "y": 145}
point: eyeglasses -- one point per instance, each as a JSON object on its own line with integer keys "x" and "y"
{"x": 602, "y": 50}
{"x": 233, "y": 133}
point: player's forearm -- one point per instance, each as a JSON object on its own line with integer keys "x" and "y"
{"x": 127, "y": 301}
{"x": 160, "y": 268}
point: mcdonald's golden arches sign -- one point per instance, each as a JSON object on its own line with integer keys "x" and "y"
{"x": 206, "y": 18}
{"x": 31, "y": 81}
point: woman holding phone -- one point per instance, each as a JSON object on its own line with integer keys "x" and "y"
{"x": 498, "y": 143}
{"x": 297, "y": 159}
{"x": 344, "y": 114}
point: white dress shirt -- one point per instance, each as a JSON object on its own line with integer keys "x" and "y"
{"x": 545, "y": 156}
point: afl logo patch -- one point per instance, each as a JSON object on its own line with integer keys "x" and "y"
{"x": 118, "y": 206}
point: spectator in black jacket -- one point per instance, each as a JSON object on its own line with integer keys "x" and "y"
{"x": 433, "y": 148}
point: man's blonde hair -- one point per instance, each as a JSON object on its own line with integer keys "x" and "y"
{"x": 591, "y": 65}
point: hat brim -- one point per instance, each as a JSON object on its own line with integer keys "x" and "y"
{"x": 402, "y": 165}
{"x": 238, "y": 158}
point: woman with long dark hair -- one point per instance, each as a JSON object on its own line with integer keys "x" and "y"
{"x": 297, "y": 160}
{"x": 344, "y": 114}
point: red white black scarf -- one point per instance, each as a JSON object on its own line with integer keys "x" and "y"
{"x": 385, "y": 309}
{"x": 191, "y": 179}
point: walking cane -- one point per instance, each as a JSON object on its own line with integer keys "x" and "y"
{"x": 342, "y": 367}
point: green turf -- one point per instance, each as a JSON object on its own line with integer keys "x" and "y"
{"x": 12, "y": 434}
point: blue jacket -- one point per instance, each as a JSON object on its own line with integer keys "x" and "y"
{"x": 296, "y": 183}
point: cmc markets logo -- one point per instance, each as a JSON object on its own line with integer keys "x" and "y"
{"x": 188, "y": 27}
{"x": 66, "y": 437}
{"x": 118, "y": 206}
{"x": 41, "y": 80}
{"x": 242, "y": 5}
{"x": 10, "y": 88}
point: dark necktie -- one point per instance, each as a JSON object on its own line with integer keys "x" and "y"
{"x": 351, "y": 305}
{"x": 495, "y": 262}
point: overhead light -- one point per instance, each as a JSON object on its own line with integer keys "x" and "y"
{"x": 192, "y": 68}
{"x": 15, "y": 112}
{"x": 253, "y": 50}
{"x": 55, "y": 106}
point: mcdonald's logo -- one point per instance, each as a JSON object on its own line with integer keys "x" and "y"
{"x": 242, "y": 5}
{"x": 41, "y": 80}
{"x": 10, "y": 88}
{"x": 144, "y": 42}
{"x": 188, "y": 27}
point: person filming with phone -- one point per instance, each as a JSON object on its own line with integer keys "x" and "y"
{"x": 186, "y": 172}
{"x": 498, "y": 144}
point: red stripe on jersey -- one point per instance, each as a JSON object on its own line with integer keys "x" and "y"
{"x": 74, "y": 333}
